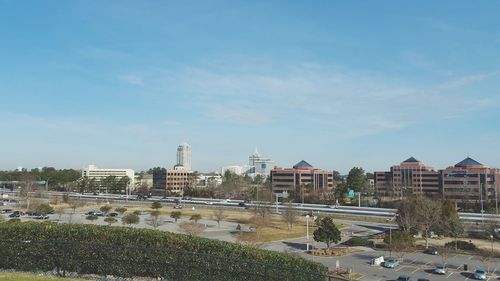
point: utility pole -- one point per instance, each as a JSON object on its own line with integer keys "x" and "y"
{"x": 481, "y": 201}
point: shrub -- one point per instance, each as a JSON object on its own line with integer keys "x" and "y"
{"x": 121, "y": 210}
{"x": 105, "y": 208}
{"x": 461, "y": 245}
{"x": 130, "y": 219}
{"x": 91, "y": 218}
{"x": 127, "y": 252}
{"x": 359, "y": 241}
{"x": 44, "y": 209}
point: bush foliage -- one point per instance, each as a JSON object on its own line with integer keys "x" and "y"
{"x": 127, "y": 252}
{"x": 359, "y": 241}
{"x": 461, "y": 245}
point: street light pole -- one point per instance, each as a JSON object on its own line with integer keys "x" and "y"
{"x": 481, "y": 201}
{"x": 491, "y": 238}
{"x": 390, "y": 240}
{"x": 307, "y": 232}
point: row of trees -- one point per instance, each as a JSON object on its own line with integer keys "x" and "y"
{"x": 57, "y": 179}
{"x": 428, "y": 216}
{"x": 110, "y": 184}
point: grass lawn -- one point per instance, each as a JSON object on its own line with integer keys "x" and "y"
{"x": 16, "y": 276}
{"x": 276, "y": 229}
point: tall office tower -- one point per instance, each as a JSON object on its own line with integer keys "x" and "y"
{"x": 184, "y": 156}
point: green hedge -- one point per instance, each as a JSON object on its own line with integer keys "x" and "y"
{"x": 126, "y": 252}
{"x": 359, "y": 241}
{"x": 461, "y": 245}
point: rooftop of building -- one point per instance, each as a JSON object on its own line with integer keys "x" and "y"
{"x": 303, "y": 165}
{"x": 468, "y": 162}
{"x": 411, "y": 160}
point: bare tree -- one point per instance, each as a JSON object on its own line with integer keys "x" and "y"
{"x": 429, "y": 216}
{"x": 155, "y": 220}
{"x": 191, "y": 228}
{"x": 219, "y": 215}
{"x": 289, "y": 215}
{"x": 60, "y": 211}
{"x": 251, "y": 239}
{"x": 74, "y": 205}
{"x": 406, "y": 216}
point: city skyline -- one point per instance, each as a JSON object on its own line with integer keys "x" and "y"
{"x": 122, "y": 83}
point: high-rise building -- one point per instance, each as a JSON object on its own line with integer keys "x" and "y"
{"x": 409, "y": 177}
{"x": 301, "y": 175}
{"x": 184, "y": 156}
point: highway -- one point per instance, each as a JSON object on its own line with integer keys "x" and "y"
{"x": 372, "y": 212}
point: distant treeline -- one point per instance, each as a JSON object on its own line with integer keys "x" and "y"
{"x": 56, "y": 178}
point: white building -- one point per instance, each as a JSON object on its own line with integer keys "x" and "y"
{"x": 184, "y": 156}
{"x": 235, "y": 169}
{"x": 92, "y": 172}
{"x": 204, "y": 180}
{"x": 257, "y": 165}
{"x": 261, "y": 166}
{"x": 145, "y": 180}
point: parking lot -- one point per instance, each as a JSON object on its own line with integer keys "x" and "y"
{"x": 416, "y": 265}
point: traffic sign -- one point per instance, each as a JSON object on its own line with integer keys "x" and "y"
{"x": 351, "y": 193}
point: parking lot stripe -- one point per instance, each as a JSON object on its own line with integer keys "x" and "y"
{"x": 415, "y": 270}
{"x": 449, "y": 275}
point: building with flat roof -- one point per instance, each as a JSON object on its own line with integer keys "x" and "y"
{"x": 168, "y": 181}
{"x": 99, "y": 175}
{"x": 301, "y": 175}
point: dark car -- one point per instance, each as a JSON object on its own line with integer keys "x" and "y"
{"x": 112, "y": 214}
{"x": 16, "y": 214}
{"x": 422, "y": 279}
{"x": 403, "y": 278}
{"x": 31, "y": 213}
{"x": 431, "y": 251}
{"x": 242, "y": 204}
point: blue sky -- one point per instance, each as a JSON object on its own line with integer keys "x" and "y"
{"x": 336, "y": 83}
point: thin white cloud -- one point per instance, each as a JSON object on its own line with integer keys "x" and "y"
{"x": 101, "y": 53}
{"x": 64, "y": 124}
{"x": 464, "y": 81}
{"x": 132, "y": 79}
{"x": 344, "y": 101}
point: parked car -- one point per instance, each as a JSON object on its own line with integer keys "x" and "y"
{"x": 113, "y": 214}
{"x": 391, "y": 263}
{"x": 41, "y": 217}
{"x": 32, "y": 213}
{"x": 440, "y": 269}
{"x": 403, "y": 278}
{"x": 422, "y": 279}
{"x": 242, "y": 204}
{"x": 480, "y": 274}
{"x": 178, "y": 206}
{"x": 431, "y": 251}
{"x": 16, "y": 214}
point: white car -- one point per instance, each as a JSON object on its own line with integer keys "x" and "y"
{"x": 480, "y": 274}
{"x": 440, "y": 269}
